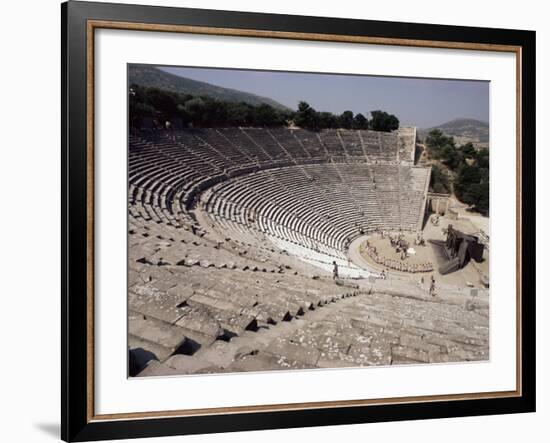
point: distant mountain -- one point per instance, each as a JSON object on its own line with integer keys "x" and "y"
{"x": 464, "y": 130}
{"x": 150, "y": 76}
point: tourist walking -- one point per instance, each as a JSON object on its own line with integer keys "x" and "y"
{"x": 432, "y": 286}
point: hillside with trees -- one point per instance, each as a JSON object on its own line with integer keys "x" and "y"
{"x": 158, "y": 106}
{"x": 462, "y": 170}
{"x": 463, "y": 130}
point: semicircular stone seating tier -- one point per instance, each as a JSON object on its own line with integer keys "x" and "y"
{"x": 308, "y": 192}
{"x": 323, "y": 206}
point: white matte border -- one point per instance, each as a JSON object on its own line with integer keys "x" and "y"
{"x": 114, "y": 393}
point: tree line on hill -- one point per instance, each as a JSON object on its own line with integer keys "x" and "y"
{"x": 159, "y": 106}
{"x": 307, "y": 117}
{"x": 469, "y": 167}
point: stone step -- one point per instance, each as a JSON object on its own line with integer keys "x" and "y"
{"x": 160, "y": 334}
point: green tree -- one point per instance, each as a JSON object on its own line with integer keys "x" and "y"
{"x": 195, "y": 109}
{"x": 360, "y": 122}
{"x": 439, "y": 182}
{"x": 436, "y": 138}
{"x": 482, "y": 158}
{"x": 183, "y": 114}
{"x": 239, "y": 114}
{"x": 382, "y": 121}
{"x": 468, "y": 150}
{"x": 451, "y": 156}
{"x": 467, "y": 176}
{"x": 346, "y": 119}
{"x": 306, "y": 116}
{"x": 327, "y": 120}
{"x": 436, "y": 142}
{"x": 267, "y": 116}
{"x": 215, "y": 112}
{"x": 163, "y": 101}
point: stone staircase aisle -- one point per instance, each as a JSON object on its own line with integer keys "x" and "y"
{"x": 353, "y": 329}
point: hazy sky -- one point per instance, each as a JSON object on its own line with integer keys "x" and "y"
{"x": 416, "y": 102}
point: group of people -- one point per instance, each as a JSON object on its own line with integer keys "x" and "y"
{"x": 398, "y": 265}
{"x": 419, "y": 240}
{"x": 400, "y": 244}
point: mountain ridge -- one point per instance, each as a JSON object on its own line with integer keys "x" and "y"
{"x": 464, "y": 130}
{"x": 151, "y": 76}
